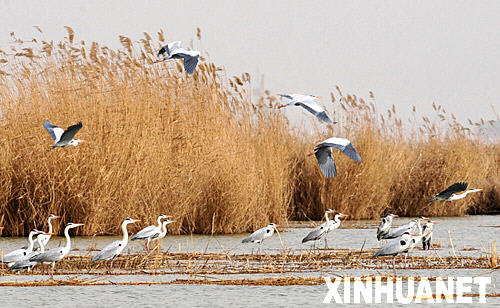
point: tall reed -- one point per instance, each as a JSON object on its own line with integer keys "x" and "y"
{"x": 202, "y": 149}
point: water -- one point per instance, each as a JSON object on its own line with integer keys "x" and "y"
{"x": 472, "y": 232}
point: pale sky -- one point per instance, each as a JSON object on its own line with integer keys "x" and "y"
{"x": 406, "y": 52}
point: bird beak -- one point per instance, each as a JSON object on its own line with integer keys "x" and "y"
{"x": 78, "y": 225}
{"x": 435, "y": 222}
{"x": 318, "y": 96}
{"x": 344, "y": 215}
{"x": 157, "y": 61}
{"x": 310, "y": 154}
{"x": 281, "y": 106}
{"x": 415, "y": 234}
{"x": 56, "y": 217}
{"x": 136, "y": 220}
{"x": 47, "y": 233}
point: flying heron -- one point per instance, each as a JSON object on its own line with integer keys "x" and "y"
{"x": 115, "y": 248}
{"x": 149, "y": 232}
{"x": 56, "y": 254}
{"x": 308, "y": 103}
{"x": 385, "y": 226}
{"x": 450, "y": 193}
{"x": 323, "y": 153}
{"x": 63, "y": 138}
{"x": 174, "y": 50}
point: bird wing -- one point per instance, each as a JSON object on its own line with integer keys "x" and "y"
{"x": 169, "y": 47}
{"x": 54, "y": 131}
{"x": 190, "y": 58}
{"x": 326, "y": 162}
{"x": 315, "y": 234}
{"x": 316, "y": 110}
{"x": 109, "y": 252}
{"x": 286, "y": 96}
{"x": 53, "y": 255}
{"x": 14, "y": 255}
{"x": 70, "y": 132}
{"x": 256, "y": 236}
{"x": 397, "y": 232}
{"x": 391, "y": 247}
{"x": 382, "y": 227}
{"x": 145, "y": 233}
{"x": 457, "y": 187}
{"x": 345, "y": 146}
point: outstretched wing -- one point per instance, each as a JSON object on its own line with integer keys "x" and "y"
{"x": 445, "y": 194}
{"x": 69, "y": 133}
{"x": 54, "y": 131}
{"x": 316, "y": 110}
{"x": 109, "y": 252}
{"x": 326, "y": 162}
{"x": 345, "y": 146}
{"x": 286, "y": 96}
{"x": 169, "y": 47}
{"x": 190, "y": 58}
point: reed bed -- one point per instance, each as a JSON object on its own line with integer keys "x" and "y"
{"x": 202, "y": 149}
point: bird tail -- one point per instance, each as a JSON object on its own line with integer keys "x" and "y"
{"x": 246, "y": 240}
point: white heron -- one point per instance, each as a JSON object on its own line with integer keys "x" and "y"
{"x": 115, "y": 248}
{"x": 45, "y": 237}
{"x": 308, "y": 103}
{"x": 395, "y": 247}
{"x": 56, "y": 254}
{"x": 18, "y": 254}
{"x": 175, "y": 51}
{"x": 427, "y": 233}
{"x": 385, "y": 226}
{"x": 316, "y": 233}
{"x": 149, "y": 232}
{"x": 63, "y": 138}
{"x": 450, "y": 193}
{"x": 323, "y": 153}
{"x": 25, "y": 262}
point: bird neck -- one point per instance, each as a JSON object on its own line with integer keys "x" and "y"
{"x": 419, "y": 228}
{"x": 164, "y": 228}
{"x": 68, "y": 239}
{"x": 326, "y": 217}
{"x": 50, "y": 225}
{"x": 40, "y": 244}
{"x": 337, "y": 219}
{"x": 125, "y": 232}
{"x": 159, "y": 222}
{"x": 30, "y": 241}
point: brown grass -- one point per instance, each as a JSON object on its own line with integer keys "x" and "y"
{"x": 197, "y": 148}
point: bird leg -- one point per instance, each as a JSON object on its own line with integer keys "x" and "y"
{"x": 326, "y": 241}
{"x": 394, "y": 265}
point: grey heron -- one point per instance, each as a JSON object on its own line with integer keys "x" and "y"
{"x": 323, "y": 153}
{"x": 18, "y": 254}
{"x": 427, "y": 233}
{"x": 308, "y": 103}
{"x": 316, "y": 233}
{"x": 63, "y": 138}
{"x": 450, "y": 193}
{"x": 163, "y": 232}
{"x": 332, "y": 225}
{"x": 260, "y": 235}
{"x": 149, "y": 232}
{"x": 46, "y": 236}
{"x": 395, "y": 247}
{"x": 25, "y": 262}
{"x": 385, "y": 226}
{"x": 407, "y": 228}
{"x": 115, "y": 248}
{"x": 57, "y": 254}
{"x": 174, "y": 50}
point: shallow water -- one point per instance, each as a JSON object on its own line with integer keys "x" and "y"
{"x": 472, "y": 232}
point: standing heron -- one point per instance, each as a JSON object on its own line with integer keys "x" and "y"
{"x": 308, "y": 103}
{"x": 260, "y": 235}
{"x": 18, "y": 254}
{"x": 45, "y": 237}
{"x": 63, "y": 138}
{"x": 385, "y": 226}
{"x": 332, "y": 225}
{"x": 149, "y": 232}
{"x": 427, "y": 233}
{"x": 319, "y": 231}
{"x": 394, "y": 247}
{"x": 25, "y": 262}
{"x": 163, "y": 232}
{"x": 115, "y": 248}
{"x": 175, "y": 51}
{"x": 323, "y": 153}
{"x": 56, "y": 254}
{"x": 450, "y": 193}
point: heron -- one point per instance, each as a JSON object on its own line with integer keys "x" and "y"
{"x": 18, "y": 254}
{"x": 319, "y": 231}
{"x": 401, "y": 230}
{"x": 44, "y": 238}
{"x": 385, "y": 226}
{"x": 25, "y": 262}
{"x": 111, "y": 251}
{"x": 175, "y": 51}
{"x": 323, "y": 153}
{"x": 163, "y": 232}
{"x": 149, "y": 232}
{"x": 332, "y": 225}
{"x": 450, "y": 193}
{"x": 308, "y": 103}
{"x": 394, "y": 247}
{"x": 56, "y": 254}
{"x": 63, "y": 138}
{"x": 427, "y": 233}
{"x": 260, "y": 235}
